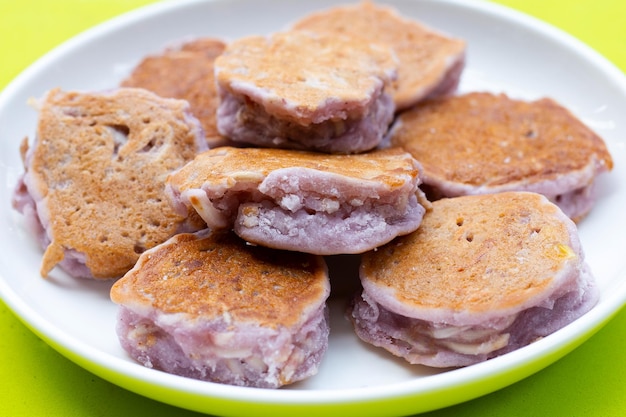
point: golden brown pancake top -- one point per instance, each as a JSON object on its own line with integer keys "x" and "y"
{"x": 100, "y": 164}
{"x": 224, "y": 167}
{"x": 484, "y": 139}
{"x": 185, "y": 72}
{"x": 424, "y": 55}
{"x": 476, "y": 254}
{"x": 219, "y": 275}
{"x": 301, "y": 75}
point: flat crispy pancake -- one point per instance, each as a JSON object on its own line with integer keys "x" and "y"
{"x": 425, "y": 56}
{"x": 99, "y": 165}
{"x": 490, "y": 140}
{"x": 185, "y": 72}
{"x": 224, "y": 167}
{"x": 217, "y": 275}
{"x": 476, "y": 256}
{"x": 306, "y": 77}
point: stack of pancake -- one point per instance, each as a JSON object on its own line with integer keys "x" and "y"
{"x": 215, "y": 196}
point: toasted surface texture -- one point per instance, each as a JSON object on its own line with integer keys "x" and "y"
{"x": 482, "y": 276}
{"x": 315, "y": 203}
{"x": 303, "y": 77}
{"x": 430, "y": 63}
{"x": 94, "y": 177}
{"x": 186, "y": 72}
{"x": 476, "y": 256}
{"x": 483, "y": 142}
{"x": 211, "y": 307}
{"x": 224, "y": 167}
{"x": 202, "y": 275}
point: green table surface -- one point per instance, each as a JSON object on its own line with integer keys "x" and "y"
{"x": 35, "y": 380}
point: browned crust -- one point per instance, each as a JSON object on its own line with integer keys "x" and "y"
{"x": 424, "y": 55}
{"x": 484, "y": 139}
{"x": 298, "y": 75}
{"x": 185, "y": 72}
{"x": 224, "y": 167}
{"x": 104, "y": 199}
{"x": 476, "y": 253}
{"x": 219, "y": 275}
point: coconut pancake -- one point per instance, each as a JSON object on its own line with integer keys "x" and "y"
{"x": 185, "y": 71}
{"x": 93, "y": 187}
{"x": 305, "y": 201}
{"x": 482, "y": 142}
{"x": 430, "y": 62}
{"x": 299, "y": 90}
{"x": 482, "y": 276}
{"x": 211, "y": 307}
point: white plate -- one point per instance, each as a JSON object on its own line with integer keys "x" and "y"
{"x": 507, "y": 52}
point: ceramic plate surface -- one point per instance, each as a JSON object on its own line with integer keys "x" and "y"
{"x": 507, "y": 52}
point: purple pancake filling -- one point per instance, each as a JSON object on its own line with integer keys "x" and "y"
{"x": 221, "y": 351}
{"x": 439, "y": 344}
{"x": 243, "y": 120}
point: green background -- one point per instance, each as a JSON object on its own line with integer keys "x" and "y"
{"x": 35, "y": 380}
